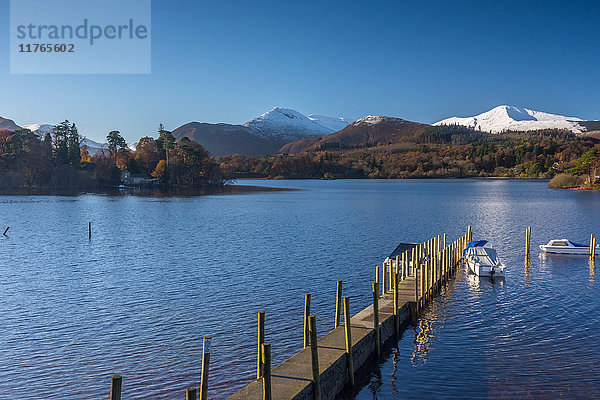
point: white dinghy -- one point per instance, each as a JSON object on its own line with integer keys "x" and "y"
{"x": 482, "y": 259}
{"x": 565, "y": 246}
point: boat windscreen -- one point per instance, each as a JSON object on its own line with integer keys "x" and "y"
{"x": 484, "y": 255}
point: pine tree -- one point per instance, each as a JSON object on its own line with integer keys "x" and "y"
{"x": 60, "y": 143}
{"x": 115, "y": 143}
{"x": 74, "y": 149}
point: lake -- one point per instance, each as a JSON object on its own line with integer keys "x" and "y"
{"x": 162, "y": 272}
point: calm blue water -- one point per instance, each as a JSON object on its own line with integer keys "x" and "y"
{"x": 160, "y": 273}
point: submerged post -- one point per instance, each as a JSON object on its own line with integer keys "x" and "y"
{"x": 6, "y": 230}
{"x": 116, "y": 383}
{"x": 315, "y": 357}
{"x": 527, "y": 244}
{"x": 89, "y": 230}
{"x": 261, "y": 341}
{"x": 205, "y": 366}
{"x": 306, "y": 315}
{"x": 348, "y": 331}
{"x": 338, "y": 304}
{"x": 190, "y": 394}
{"x": 266, "y": 379}
{"x": 376, "y": 318}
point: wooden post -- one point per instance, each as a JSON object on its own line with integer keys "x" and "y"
{"x": 397, "y": 264}
{"x": 591, "y": 245}
{"x": 593, "y": 256}
{"x": 261, "y": 341}
{"x": 377, "y": 274}
{"x": 383, "y": 279}
{"x": 190, "y": 394}
{"x": 338, "y": 303}
{"x": 205, "y": 367}
{"x": 390, "y": 277}
{"x": 90, "y": 230}
{"x": 527, "y": 244}
{"x": 348, "y": 330}
{"x": 445, "y": 243}
{"x": 417, "y": 287}
{"x": 6, "y": 230}
{"x": 376, "y": 318}
{"x": 395, "y": 280}
{"x": 266, "y": 379}
{"x": 469, "y": 233}
{"x": 422, "y": 286}
{"x": 306, "y": 315}
{"x": 315, "y": 357}
{"x": 116, "y": 383}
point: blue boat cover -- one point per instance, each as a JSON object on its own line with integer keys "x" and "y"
{"x": 579, "y": 244}
{"x": 474, "y": 243}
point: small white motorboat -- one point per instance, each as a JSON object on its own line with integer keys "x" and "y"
{"x": 565, "y": 246}
{"x": 482, "y": 259}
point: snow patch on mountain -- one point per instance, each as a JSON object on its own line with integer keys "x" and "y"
{"x": 39, "y": 129}
{"x": 333, "y": 123}
{"x": 285, "y": 123}
{"x": 503, "y": 118}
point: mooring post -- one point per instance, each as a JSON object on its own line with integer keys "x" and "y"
{"x": 397, "y": 319}
{"x": 190, "y": 394}
{"x": 116, "y": 383}
{"x": 261, "y": 341}
{"x": 527, "y": 244}
{"x": 591, "y": 245}
{"x": 266, "y": 378}
{"x": 398, "y": 264}
{"x": 593, "y": 255}
{"x": 417, "y": 287}
{"x": 391, "y": 277}
{"x": 338, "y": 303}
{"x": 383, "y": 279}
{"x": 348, "y": 331}
{"x": 206, "y": 342}
{"x": 376, "y": 318}
{"x": 469, "y": 233}
{"x": 306, "y": 315}
{"x": 445, "y": 243}
{"x": 89, "y": 230}
{"x": 315, "y": 357}
{"x": 422, "y": 286}
{"x": 6, "y": 230}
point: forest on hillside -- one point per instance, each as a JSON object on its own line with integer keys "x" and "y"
{"x": 438, "y": 152}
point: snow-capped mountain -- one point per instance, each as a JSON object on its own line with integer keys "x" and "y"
{"x": 503, "y": 118}
{"x": 333, "y": 123}
{"x": 286, "y": 124}
{"x": 39, "y": 129}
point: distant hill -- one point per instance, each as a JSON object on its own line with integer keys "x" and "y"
{"x": 8, "y": 125}
{"x": 365, "y": 132}
{"x": 222, "y": 139}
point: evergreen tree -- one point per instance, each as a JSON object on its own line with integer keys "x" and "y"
{"x": 115, "y": 143}
{"x": 61, "y": 146}
{"x": 74, "y": 149}
{"x": 166, "y": 140}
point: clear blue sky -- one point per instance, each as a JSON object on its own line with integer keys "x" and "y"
{"x": 228, "y": 61}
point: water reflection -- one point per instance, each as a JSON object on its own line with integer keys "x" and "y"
{"x": 423, "y": 335}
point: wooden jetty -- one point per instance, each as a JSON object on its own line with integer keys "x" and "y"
{"x": 325, "y": 369}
